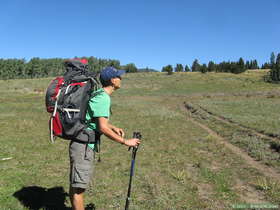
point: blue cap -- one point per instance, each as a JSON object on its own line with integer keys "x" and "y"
{"x": 110, "y": 72}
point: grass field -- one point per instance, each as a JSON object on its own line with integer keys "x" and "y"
{"x": 220, "y": 153}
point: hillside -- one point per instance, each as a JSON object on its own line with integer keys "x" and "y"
{"x": 210, "y": 141}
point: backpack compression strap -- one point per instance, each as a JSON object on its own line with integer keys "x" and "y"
{"x": 53, "y": 115}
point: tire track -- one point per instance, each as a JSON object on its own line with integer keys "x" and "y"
{"x": 262, "y": 134}
{"x": 272, "y": 139}
{"x": 267, "y": 171}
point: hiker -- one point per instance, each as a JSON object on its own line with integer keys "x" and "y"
{"x": 97, "y": 117}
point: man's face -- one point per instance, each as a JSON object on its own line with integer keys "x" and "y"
{"x": 116, "y": 82}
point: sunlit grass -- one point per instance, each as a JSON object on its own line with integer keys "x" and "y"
{"x": 178, "y": 165}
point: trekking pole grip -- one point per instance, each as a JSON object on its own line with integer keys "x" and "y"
{"x": 136, "y": 135}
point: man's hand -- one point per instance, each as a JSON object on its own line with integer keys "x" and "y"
{"x": 116, "y": 134}
{"x": 118, "y": 131}
{"x": 132, "y": 142}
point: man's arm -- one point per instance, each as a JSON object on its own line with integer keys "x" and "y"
{"x": 118, "y": 131}
{"x": 108, "y": 130}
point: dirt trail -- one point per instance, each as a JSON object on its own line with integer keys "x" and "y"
{"x": 249, "y": 195}
{"x": 269, "y": 172}
{"x": 273, "y": 137}
{"x": 270, "y": 136}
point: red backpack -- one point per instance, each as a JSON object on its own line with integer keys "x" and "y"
{"x": 67, "y": 99}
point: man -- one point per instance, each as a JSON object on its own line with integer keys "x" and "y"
{"x": 97, "y": 118}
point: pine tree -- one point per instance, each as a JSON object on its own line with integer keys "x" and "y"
{"x": 278, "y": 59}
{"x": 195, "y": 66}
{"x": 247, "y": 65}
{"x": 275, "y": 73}
{"x": 203, "y": 68}
{"x": 211, "y": 66}
{"x": 240, "y": 67}
{"x": 168, "y": 69}
{"x": 272, "y": 59}
{"x": 179, "y": 67}
{"x": 255, "y": 64}
{"x": 241, "y": 63}
{"x": 234, "y": 67}
{"x": 187, "y": 69}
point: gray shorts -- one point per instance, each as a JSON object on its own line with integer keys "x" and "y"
{"x": 81, "y": 164}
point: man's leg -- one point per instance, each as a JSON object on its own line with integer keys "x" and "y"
{"x": 81, "y": 168}
{"x": 77, "y": 198}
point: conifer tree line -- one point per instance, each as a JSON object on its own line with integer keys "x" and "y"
{"x": 274, "y": 73}
{"x": 36, "y": 67}
{"x": 231, "y": 67}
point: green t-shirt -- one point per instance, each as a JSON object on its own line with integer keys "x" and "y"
{"x": 98, "y": 106}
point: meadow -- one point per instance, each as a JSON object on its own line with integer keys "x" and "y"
{"x": 210, "y": 141}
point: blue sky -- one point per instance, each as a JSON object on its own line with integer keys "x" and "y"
{"x": 149, "y": 33}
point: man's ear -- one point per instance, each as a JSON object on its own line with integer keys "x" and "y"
{"x": 113, "y": 81}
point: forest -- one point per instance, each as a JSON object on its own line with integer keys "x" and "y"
{"x": 37, "y": 67}
{"x": 225, "y": 66}
{"x": 49, "y": 67}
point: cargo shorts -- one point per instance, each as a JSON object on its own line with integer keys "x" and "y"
{"x": 81, "y": 164}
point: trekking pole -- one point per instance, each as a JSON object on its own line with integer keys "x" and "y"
{"x": 138, "y": 136}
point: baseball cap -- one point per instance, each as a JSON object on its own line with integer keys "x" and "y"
{"x": 110, "y": 72}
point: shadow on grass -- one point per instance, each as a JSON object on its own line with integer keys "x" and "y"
{"x": 35, "y": 198}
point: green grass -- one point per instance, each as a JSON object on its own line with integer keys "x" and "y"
{"x": 258, "y": 147}
{"x": 255, "y": 112}
{"x": 178, "y": 166}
